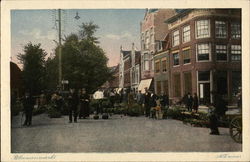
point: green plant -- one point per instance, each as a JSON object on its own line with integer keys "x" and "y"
{"x": 39, "y": 110}
{"x": 134, "y": 110}
{"x": 53, "y": 112}
{"x": 16, "y": 108}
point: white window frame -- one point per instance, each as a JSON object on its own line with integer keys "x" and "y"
{"x": 183, "y": 34}
{"x": 209, "y": 55}
{"x": 235, "y": 23}
{"x": 174, "y": 36}
{"x": 236, "y": 53}
{"x": 196, "y": 29}
{"x": 174, "y": 58}
{"x": 219, "y": 49}
{"x": 217, "y": 28}
{"x": 189, "y": 57}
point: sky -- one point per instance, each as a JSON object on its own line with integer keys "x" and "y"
{"x": 117, "y": 27}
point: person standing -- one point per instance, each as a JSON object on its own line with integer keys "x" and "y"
{"x": 73, "y": 102}
{"x": 84, "y": 105}
{"x": 189, "y": 101}
{"x": 153, "y": 104}
{"x": 28, "y": 105}
{"x": 164, "y": 100}
{"x": 195, "y": 102}
{"x": 220, "y": 107}
{"x": 139, "y": 98}
{"x": 146, "y": 102}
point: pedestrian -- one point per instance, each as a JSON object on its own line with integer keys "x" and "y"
{"x": 189, "y": 101}
{"x": 112, "y": 98}
{"x": 84, "y": 104}
{"x": 219, "y": 109}
{"x": 195, "y": 102}
{"x": 73, "y": 103}
{"x": 164, "y": 100}
{"x": 139, "y": 98}
{"x": 146, "y": 102}
{"x": 153, "y": 105}
{"x": 28, "y": 105}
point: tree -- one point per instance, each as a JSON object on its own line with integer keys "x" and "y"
{"x": 84, "y": 64}
{"x": 87, "y": 31}
{"x": 33, "y": 60}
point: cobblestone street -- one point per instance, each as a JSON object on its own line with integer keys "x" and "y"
{"x": 118, "y": 134}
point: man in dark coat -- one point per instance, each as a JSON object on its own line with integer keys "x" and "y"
{"x": 189, "y": 101}
{"x": 195, "y": 102}
{"x": 73, "y": 102}
{"x": 220, "y": 107}
{"x": 84, "y": 105}
{"x": 28, "y": 105}
{"x": 146, "y": 102}
{"x": 164, "y": 100}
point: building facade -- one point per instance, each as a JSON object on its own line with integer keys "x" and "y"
{"x": 153, "y": 29}
{"x": 129, "y": 69}
{"x": 204, "y": 53}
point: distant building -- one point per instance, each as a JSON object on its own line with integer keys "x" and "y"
{"x": 113, "y": 83}
{"x": 129, "y": 69}
{"x": 203, "y": 53}
{"x": 153, "y": 30}
{"x": 16, "y": 83}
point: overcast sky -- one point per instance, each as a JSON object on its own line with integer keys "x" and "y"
{"x": 117, "y": 27}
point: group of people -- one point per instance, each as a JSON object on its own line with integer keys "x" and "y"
{"x": 191, "y": 102}
{"x": 76, "y": 99}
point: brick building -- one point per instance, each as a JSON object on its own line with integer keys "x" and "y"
{"x": 204, "y": 53}
{"x": 153, "y": 30}
{"x": 129, "y": 68}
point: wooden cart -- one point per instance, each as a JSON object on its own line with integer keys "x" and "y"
{"x": 235, "y": 127}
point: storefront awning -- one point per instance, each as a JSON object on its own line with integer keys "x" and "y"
{"x": 144, "y": 84}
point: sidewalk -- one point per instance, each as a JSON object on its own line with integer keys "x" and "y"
{"x": 231, "y": 109}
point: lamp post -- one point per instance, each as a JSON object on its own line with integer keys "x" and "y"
{"x": 60, "y": 50}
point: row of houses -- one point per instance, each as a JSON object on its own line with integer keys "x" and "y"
{"x": 189, "y": 50}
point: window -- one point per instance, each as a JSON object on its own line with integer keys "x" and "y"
{"x": 158, "y": 87}
{"x": 176, "y": 58}
{"x": 187, "y": 82}
{"x": 222, "y": 82}
{"x": 157, "y": 66}
{"x": 177, "y": 85}
{"x": 235, "y": 52}
{"x": 204, "y": 76}
{"x": 186, "y": 56}
{"x": 221, "y": 52}
{"x": 235, "y": 30}
{"x": 236, "y": 82}
{"x": 203, "y": 51}
{"x": 176, "y": 40}
{"x": 165, "y": 87}
{"x": 220, "y": 29}
{"x": 146, "y": 61}
{"x": 151, "y": 36}
{"x": 164, "y": 65}
{"x": 202, "y": 29}
{"x": 147, "y": 40}
{"x": 186, "y": 34}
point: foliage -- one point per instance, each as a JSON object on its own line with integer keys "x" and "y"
{"x": 175, "y": 113}
{"x": 39, "y": 110}
{"x": 84, "y": 64}
{"x": 16, "y": 108}
{"x": 87, "y": 32}
{"x": 53, "y": 112}
{"x": 134, "y": 110}
{"x": 33, "y": 60}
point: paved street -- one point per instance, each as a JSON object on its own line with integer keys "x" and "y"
{"x": 126, "y": 134}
